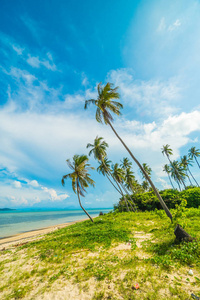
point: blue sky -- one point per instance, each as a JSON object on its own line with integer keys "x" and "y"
{"x": 52, "y": 56}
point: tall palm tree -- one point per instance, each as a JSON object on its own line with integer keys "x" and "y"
{"x": 194, "y": 153}
{"x": 166, "y": 169}
{"x": 80, "y": 177}
{"x": 167, "y": 151}
{"x": 99, "y": 151}
{"x": 105, "y": 107}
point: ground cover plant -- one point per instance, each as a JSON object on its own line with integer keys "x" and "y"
{"x": 106, "y": 259}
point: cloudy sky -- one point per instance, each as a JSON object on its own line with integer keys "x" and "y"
{"x": 52, "y": 56}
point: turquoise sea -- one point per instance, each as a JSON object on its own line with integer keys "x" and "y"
{"x": 18, "y": 221}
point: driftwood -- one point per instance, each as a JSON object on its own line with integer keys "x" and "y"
{"x": 182, "y": 235}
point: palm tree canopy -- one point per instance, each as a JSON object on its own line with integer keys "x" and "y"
{"x": 98, "y": 148}
{"x": 166, "y": 150}
{"x": 193, "y": 152}
{"x": 105, "y": 103}
{"x": 186, "y": 161}
{"x": 80, "y": 176}
{"x": 147, "y": 169}
{"x": 118, "y": 173}
{"x": 166, "y": 168}
{"x": 178, "y": 171}
{"x": 104, "y": 166}
{"x": 126, "y": 163}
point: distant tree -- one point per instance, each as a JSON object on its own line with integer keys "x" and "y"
{"x": 80, "y": 177}
{"x": 106, "y": 105}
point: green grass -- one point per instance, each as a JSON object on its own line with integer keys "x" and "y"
{"x": 87, "y": 255}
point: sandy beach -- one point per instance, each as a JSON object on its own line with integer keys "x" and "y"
{"x": 28, "y": 236}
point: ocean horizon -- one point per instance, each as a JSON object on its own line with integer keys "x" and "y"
{"x": 17, "y": 221}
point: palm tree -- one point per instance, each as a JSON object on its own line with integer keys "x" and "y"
{"x": 148, "y": 170}
{"x": 166, "y": 169}
{"x": 178, "y": 173}
{"x": 119, "y": 175}
{"x": 126, "y": 163}
{"x": 175, "y": 166}
{"x": 105, "y": 107}
{"x": 80, "y": 177}
{"x": 185, "y": 161}
{"x": 194, "y": 153}
{"x": 99, "y": 152}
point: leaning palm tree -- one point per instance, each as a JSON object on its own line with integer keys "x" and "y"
{"x": 105, "y": 107}
{"x": 186, "y": 161}
{"x": 178, "y": 173}
{"x": 80, "y": 177}
{"x": 99, "y": 151}
{"x": 194, "y": 153}
{"x": 174, "y": 166}
{"x": 126, "y": 163}
{"x": 166, "y": 169}
{"x": 148, "y": 170}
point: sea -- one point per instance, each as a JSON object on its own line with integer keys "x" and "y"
{"x": 20, "y": 220}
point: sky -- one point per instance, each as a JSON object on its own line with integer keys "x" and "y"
{"x": 52, "y": 56}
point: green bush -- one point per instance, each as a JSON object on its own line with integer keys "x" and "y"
{"x": 148, "y": 201}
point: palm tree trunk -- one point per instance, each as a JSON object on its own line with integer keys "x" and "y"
{"x": 112, "y": 183}
{"x": 193, "y": 176}
{"x": 197, "y": 161}
{"x": 171, "y": 182}
{"x": 164, "y": 206}
{"x": 82, "y": 206}
{"x": 116, "y": 183}
{"x": 126, "y": 191}
{"x": 189, "y": 178}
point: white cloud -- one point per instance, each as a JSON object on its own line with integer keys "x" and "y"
{"x": 153, "y": 97}
{"x": 36, "y": 62}
{"x": 176, "y": 24}
{"x": 162, "y": 25}
{"x": 54, "y": 196}
{"x": 17, "y": 49}
{"x": 33, "y": 183}
{"x": 17, "y": 184}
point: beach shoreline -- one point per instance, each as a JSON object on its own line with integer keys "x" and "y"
{"x": 29, "y": 236}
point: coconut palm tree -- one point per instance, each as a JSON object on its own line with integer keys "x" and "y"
{"x": 105, "y": 107}
{"x": 148, "y": 170}
{"x": 166, "y": 150}
{"x": 119, "y": 175}
{"x": 166, "y": 169}
{"x": 185, "y": 162}
{"x": 99, "y": 151}
{"x": 194, "y": 153}
{"x": 126, "y": 163}
{"x": 178, "y": 173}
{"x": 79, "y": 176}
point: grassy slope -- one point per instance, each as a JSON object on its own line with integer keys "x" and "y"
{"x": 106, "y": 259}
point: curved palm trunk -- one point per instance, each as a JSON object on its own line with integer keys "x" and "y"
{"x": 183, "y": 183}
{"x": 197, "y": 161}
{"x": 164, "y": 206}
{"x": 82, "y": 206}
{"x": 192, "y": 176}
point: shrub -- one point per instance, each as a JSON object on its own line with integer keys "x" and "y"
{"x": 148, "y": 201}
